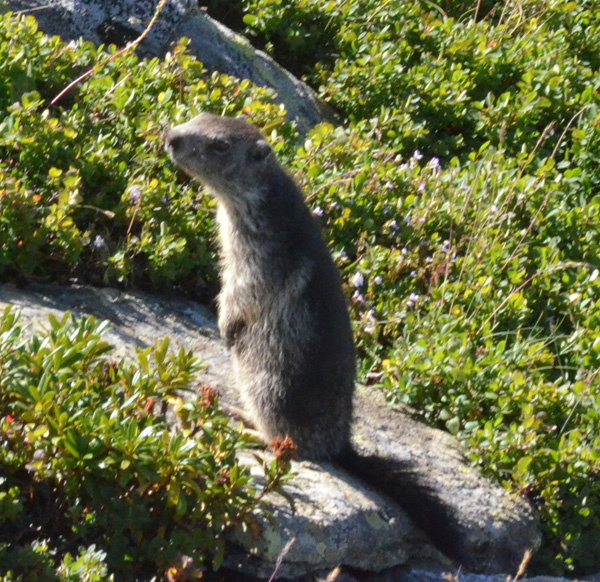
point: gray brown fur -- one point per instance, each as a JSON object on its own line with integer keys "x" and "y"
{"x": 282, "y": 310}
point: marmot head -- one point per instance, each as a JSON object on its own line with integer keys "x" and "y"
{"x": 225, "y": 153}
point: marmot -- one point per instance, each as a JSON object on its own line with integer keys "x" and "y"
{"x": 282, "y": 310}
{"x": 283, "y": 313}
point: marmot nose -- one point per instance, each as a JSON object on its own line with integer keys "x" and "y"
{"x": 174, "y": 142}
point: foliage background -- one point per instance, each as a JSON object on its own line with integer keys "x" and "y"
{"x": 460, "y": 200}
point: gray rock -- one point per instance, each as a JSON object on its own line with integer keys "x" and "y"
{"x": 338, "y": 520}
{"x": 491, "y": 527}
{"x": 218, "y": 48}
{"x": 116, "y": 22}
{"x": 222, "y": 50}
{"x": 417, "y": 575}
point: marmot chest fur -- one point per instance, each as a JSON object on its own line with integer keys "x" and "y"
{"x": 282, "y": 310}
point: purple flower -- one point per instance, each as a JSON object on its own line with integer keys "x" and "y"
{"x": 435, "y": 163}
{"x": 358, "y": 280}
{"x": 413, "y": 274}
{"x": 412, "y": 300}
{"x": 428, "y": 260}
{"x": 135, "y": 195}
{"x": 464, "y": 186}
{"x": 446, "y": 247}
{"x": 369, "y": 326}
{"x": 378, "y": 280}
{"x": 99, "y": 242}
{"x": 494, "y": 209}
{"x": 389, "y": 185}
{"x": 417, "y": 155}
{"x": 421, "y": 187}
{"x": 358, "y": 297}
{"x": 394, "y": 226}
{"x": 318, "y": 211}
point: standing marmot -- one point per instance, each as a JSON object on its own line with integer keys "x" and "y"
{"x": 283, "y": 313}
{"x": 282, "y": 310}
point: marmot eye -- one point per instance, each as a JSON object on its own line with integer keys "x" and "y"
{"x": 219, "y": 146}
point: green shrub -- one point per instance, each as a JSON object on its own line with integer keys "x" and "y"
{"x": 476, "y": 297}
{"x": 102, "y": 203}
{"x": 88, "y": 460}
{"x": 444, "y": 85}
{"x": 297, "y": 34}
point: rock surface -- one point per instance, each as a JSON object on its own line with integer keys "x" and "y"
{"x": 222, "y": 50}
{"x": 336, "y": 521}
{"x": 219, "y": 48}
{"x": 489, "y": 529}
{"x": 339, "y": 520}
{"x": 117, "y": 22}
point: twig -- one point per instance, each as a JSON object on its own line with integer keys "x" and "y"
{"x": 333, "y": 575}
{"x": 557, "y": 267}
{"x": 549, "y": 193}
{"x": 128, "y": 47}
{"x": 347, "y": 178}
{"x": 36, "y": 9}
{"x": 588, "y": 383}
{"x": 526, "y": 557}
{"x": 282, "y": 555}
{"x": 512, "y": 193}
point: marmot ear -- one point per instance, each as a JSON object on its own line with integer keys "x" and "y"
{"x": 260, "y": 150}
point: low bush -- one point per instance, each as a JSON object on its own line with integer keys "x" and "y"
{"x": 93, "y": 482}
{"x": 440, "y": 84}
{"x": 86, "y": 191}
